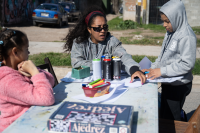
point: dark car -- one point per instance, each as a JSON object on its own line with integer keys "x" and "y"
{"x": 70, "y": 7}
{"x": 49, "y": 13}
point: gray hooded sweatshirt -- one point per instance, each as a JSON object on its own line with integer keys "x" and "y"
{"x": 83, "y": 53}
{"x": 178, "y": 53}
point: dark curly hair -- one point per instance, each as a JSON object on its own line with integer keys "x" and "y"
{"x": 10, "y": 38}
{"x": 80, "y": 32}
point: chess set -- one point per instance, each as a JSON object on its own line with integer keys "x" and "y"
{"x": 87, "y": 117}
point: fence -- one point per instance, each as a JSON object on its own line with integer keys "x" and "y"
{"x": 154, "y": 15}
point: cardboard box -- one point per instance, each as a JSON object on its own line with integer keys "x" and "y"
{"x": 87, "y": 117}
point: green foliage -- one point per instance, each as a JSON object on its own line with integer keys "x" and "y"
{"x": 118, "y": 24}
{"x": 114, "y": 23}
{"x": 138, "y": 58}
{"x": 127, "y": 24}
{"x": 196, "y": 70}
{"x": 198, "y": 42}
{"x": 196, "y": 30}
{"x": 57, "y": 59}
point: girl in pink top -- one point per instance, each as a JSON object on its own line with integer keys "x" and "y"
{"x": 22, "y": 84}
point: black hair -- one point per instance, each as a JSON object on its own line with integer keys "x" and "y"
{"x": 80, "y": 32}
{"x": 161, "y": 13}
{"x": 11, "y": 38}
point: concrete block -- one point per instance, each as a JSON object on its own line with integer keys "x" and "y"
{"x": 196, "y": 4}
{"x": 194, "y": 18}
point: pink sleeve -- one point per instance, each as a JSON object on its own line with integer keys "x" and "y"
{"x": 49, "y": 76}
{"x": 20, "y": 91}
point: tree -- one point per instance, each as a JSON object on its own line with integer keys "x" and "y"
{"x": 116, "y": 5}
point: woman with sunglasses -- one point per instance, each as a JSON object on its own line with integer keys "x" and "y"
{"x": 90, "y": 39}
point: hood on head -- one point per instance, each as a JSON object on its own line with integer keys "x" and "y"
{"x": 175, "y": 12}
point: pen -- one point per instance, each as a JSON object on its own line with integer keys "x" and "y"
{"x": 146, "y": 72}
{"x": 101, "y": 85}
{"x": 84, "y": 85}
{"x": 94, "y": 81}
{"x": 92, "y": 86}
{"x": 99, "y": 82}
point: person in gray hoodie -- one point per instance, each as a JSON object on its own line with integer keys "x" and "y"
{"x": 90, "y": 39}
{"x": 177, "y": 58}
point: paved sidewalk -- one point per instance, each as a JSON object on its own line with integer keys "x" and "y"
{"x": 41, "y": 47}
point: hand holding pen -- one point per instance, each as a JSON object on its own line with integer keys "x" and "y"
{"x": 140, "y": 75}
{"x": 152, "y": 73}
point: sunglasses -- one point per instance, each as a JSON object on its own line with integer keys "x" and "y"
{"x": 98, "y": 29}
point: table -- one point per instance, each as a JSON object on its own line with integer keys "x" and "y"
{"x": 144, "y": 99}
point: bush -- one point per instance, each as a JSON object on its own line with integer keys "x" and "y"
{"x": 127, "y": 24}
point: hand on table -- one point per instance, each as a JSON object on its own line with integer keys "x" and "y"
{"x": 153, "y": 73}
{"x": 27, "y": 68}
{"x": 140, "y": 75}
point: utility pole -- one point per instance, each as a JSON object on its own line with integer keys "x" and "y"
{"x": 144, "y": 11}
{"x": 138, "y": 10}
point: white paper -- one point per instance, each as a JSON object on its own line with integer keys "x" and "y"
{"x": 145, "y": 63}
{"x": 134, "y": 84}
{"x": 114, "y": 93}
{"x": 137, "y": 82}
{"x": 68, "y": 78}
{"x": 167, "y": 80}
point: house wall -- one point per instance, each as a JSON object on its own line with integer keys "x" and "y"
{"x": 192, "y": 10}
{"x": 16, "y": 11}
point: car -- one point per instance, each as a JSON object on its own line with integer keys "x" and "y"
{"x": 70, "y": 7}
{"x": 48, "y": 13}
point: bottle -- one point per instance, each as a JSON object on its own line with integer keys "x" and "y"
{"x": 116, "y": 68}
{"x": 96, "y": 65}
{"x": 107, "y": 75}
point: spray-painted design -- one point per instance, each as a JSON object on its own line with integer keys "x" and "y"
{"x": 16, "y": 11}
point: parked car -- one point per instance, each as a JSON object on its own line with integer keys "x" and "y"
{"x": 70, "y": 7}
{"x": 51, "y": 14}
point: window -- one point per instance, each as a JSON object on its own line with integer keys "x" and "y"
{"x": 61, "y": 9}
{"x": 48, "y": 7}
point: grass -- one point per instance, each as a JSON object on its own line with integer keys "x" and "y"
{"x": 136, "y": 33}
{"x": 114, "y": 23}
{"x": 118, "y": 24}
{"x": 147, "y": 41}
{"x": 144, "y": 41}
{"x": 58, "y": 41}
{"x": 158, "y": 37}
{"x": 196, "y": 30}
{"x": 63, "y": 59}
{"x": 57, "y": 59}
{"x": 198, "y": 42}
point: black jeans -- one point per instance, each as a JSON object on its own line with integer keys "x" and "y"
{"x": 172, "y": 100}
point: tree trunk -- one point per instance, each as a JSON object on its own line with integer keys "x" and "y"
{"x": 115, "y": 6}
